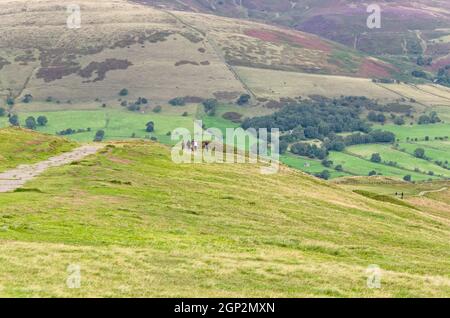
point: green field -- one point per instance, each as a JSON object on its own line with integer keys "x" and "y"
{"x": 418, "y": 131}
{"x": 362, "y": 167}
{"x": 139, "y": 225}
{"x": 310, "y": 166}
{"x": 117, "y": 124}
{"x": 404, "y": 160}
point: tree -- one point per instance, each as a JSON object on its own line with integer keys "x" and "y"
{"x": 10, "y": 101}
{"x": 150, "y": 127}
{"x": 419, "y": 153}
{"x": 123, "y": 92}
{"x": 407, "y": 178}
{"x": 42, "y": 120}
{"x": 177, "y": 101}
{"x": 210, "y": 106}
{"x": 375, "y": 158}
{"x": 424, "y": 119}
{"x": 14, "y": 120}
{"x": 99, "y": 135}
{"x": 327, "y": 163}
{"x": 372, "y": 173}
{"x": 324, "y": 175}
{"x": 27, "y": 98}
{"x": 399, "y": 121}
{"x": 157, "y": 109}
{"x": 2, "y": 112}
{"x": 243, "y": 99}
{"x": 339, "y": 168}
{"x": 30, "y": 123}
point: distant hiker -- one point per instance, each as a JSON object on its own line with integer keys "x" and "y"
{"x": 188, "y": 145}
{"x": 402, "y": 195}
{"x": 195, "y": 145}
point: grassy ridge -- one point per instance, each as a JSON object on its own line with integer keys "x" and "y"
{"x": 19, "y": 146}
{"x": 140, "y": 225}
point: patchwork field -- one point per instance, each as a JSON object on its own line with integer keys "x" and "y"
{"x": 136, "y": 224}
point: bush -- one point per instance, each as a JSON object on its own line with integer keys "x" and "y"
{"x": 243, "y": 99}
{"x": 150, "y": 127}
{"x": 177, "y": 101}
{"x": 123, "y": 92}
{"x": 157, "y": 109}
{"x": 210, "y": 106}
{"x": 372, "y": 173}
{"x": 2, "y": 112}
{"x": 99, "y": 135}
{"x": 30, "y": 123}
{"x": 419, "y": 153}
{"x": 14, "y": 120}
{"x": 407, "y": 178}
{"x": 323, "y": 175}
{"x": 339, "y": 168}
{"x": 376, "y": 158}
{"x": 42, "y": 120}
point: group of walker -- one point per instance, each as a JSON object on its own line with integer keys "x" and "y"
{"x": 192, "y": 145}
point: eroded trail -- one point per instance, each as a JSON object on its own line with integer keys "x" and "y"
{"x": 16, "y": 178}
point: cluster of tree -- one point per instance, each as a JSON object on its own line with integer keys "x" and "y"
{"x": 443, "y": 76}
{"x": 308, "y": 150}
{"x": 325, "y": 174}
{"x": 70, "y": 131}
{"x": 376, "y": 117}
{"x": 433, "y": 118}
{"x": 419, "y": 74}
{"x": 30, "y": 122}
{"x": 424, "y": 61}
{"x": 210, "y": 106}
{"x": 136, "y": 105}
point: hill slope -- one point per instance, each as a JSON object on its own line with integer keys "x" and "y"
{"x": 159, "y": 54}
{"x": 137, "y": 224}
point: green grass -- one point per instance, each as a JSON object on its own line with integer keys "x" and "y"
{"x": 139, "y": 225}
{"x": 403, "y": 159}
{"x": 117, "y": 124}
{"x": 20, "y": 146}
{"x": 362, "y": 167}
{"x": 309, "y": 165}
{"x": 418, "y": 131}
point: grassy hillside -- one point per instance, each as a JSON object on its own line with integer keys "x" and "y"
{"x": 20, "y": 146}
{"x": 139, "y": 225}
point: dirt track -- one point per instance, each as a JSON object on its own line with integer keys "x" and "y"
{"x": 16, "y": 178}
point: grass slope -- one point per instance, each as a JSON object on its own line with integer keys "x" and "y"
{"x": 20, "y": 146}
{"x": 139, "y": 225}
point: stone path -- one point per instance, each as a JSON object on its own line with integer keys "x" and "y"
{"x": 14, "y": 179}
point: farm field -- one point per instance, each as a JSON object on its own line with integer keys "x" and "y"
{"x": 139, "y": 225}
{"x": 418, "y": 131}
{"x": 117, "y": 124}
{"x": 404, "y": 160}
{"x": 309, "y": 165}
{"x": 362, "y": 167}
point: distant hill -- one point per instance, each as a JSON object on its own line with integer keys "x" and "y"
{"x": 409, "y": 28}
{"x": 160, "y": 54}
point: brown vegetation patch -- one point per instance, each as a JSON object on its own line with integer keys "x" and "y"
{"x": 184, "y": 62}
{"x": 222, "y": 95}
{"x": 371, "y": 69}
{"x": 101, "y": 68}
{"x": 233, "y": 116}
{"x": 49, "y": 74}
{"x": 193, "y": 99}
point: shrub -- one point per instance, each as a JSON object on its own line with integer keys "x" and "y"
{"x": 42, "y": 120}
{"x": 30, "y": 123}
{"x": 2, "y": 112}
{"x": 419, "y": 153}
{"x": 243, "y": 99}
{"x": 14, "y": 120}
{"x": 99, "y": 135}
{"x": 123, "y": 92}
{"x": 375, "y": 158}
{"x": 150, "y": 127}
{"x": 407, "y": 178}
{"x": 177, "y": 101}
{"x": 157, "y": 109}
{"x": 324, "y": 175}
{"x": 210, "y": 106}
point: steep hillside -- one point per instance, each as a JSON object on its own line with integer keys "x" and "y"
{"x": 136, "y": 224}
{"x": 155, "y": 53}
